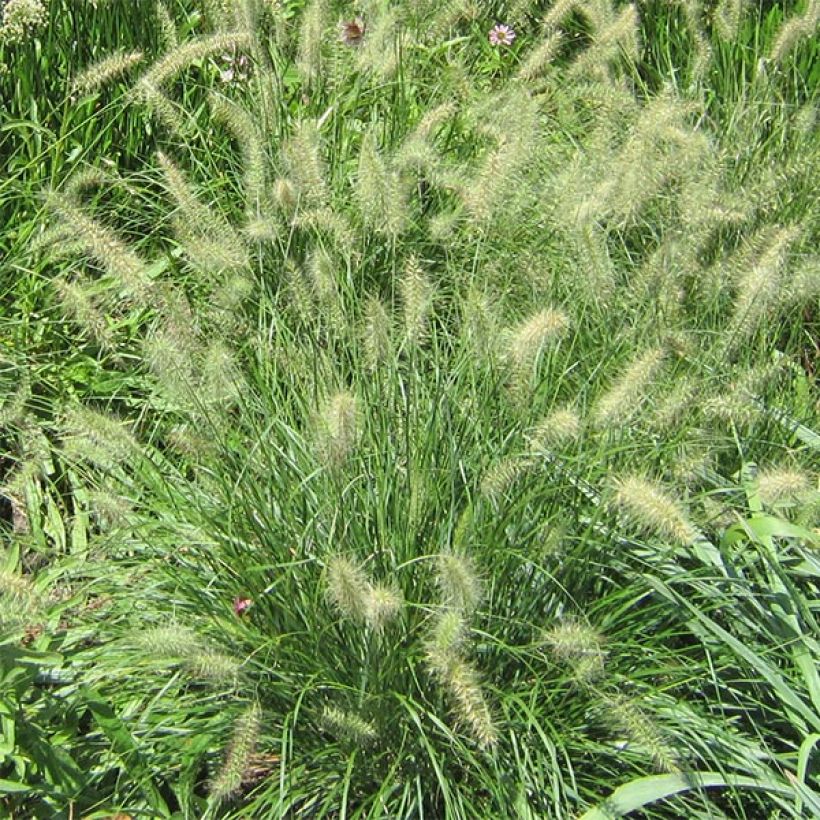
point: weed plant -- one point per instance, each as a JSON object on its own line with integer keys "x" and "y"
{"x": 430, "y": 486}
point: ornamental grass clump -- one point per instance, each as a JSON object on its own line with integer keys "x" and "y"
{"x": 416, "y": 375}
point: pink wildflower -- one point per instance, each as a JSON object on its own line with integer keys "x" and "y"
{"x": 242, "y": 605}
{"x": 501, "y": 35}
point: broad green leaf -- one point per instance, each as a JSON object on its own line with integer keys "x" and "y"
{"x": 645, "y": 790}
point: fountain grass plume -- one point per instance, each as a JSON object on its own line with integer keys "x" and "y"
{"x": 20, "y": 603}
{"x": 103, "y": 72}
{"x": 309, "y": 61}
{"x": 625, "y": 715}
{"x": 239, "y": 756}
{"x": 797, "y": 28}
{"x": 119, "y": 260}
{"x": 164, "y": 70}
{"x": 77, "y": 299}
{"x": 384, "y": 604}
{"x": 376, "y": 334}
{"x": 338, "y": 429}
{"x": 379, "y": 53}
{"x": 524, "y": 343}
{"x": 321, "y": 270}
{"x": 379, "y": 192}
{"x": 459, "y": 679}
{"x": 166, "y": 27}
{"x": 616, "y": 40}
{"x": 459, "y": 583}
{"x": 541, "y": 58}
{"x": 759, "y": 285}
{"x": 302, "y": 158}
{"x": 778, "y": 486}
{"x": 558, "y": 428}
{"x": 182, "y": 646}
{"x": 417, "y": 300}
{"x": 348, "y": 726}
{"x": 347, "y": 588}
{"x": 91, "y": 436}
{"x": 210, "y": 242}
{"x": 330, "y": 224}
{"x": 580, "y": 647}
{"x": 245, "y": 131}
{"x": 502, "y": 475}
{"x": 649, "y": 506}
{"x": 727, "y": 17}
{"x": 629, "y": 391}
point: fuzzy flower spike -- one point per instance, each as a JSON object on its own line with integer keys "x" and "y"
{"x": 501, "y": 35}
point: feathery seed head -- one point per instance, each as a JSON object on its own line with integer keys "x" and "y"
{"x": 625, "y": 397}
{"x": 795, "y": 29}
{"x": 524, "y": 343}
{"x": 348, "y": 726}
{"x": 541, "y": 57}
{"x": 457, "y": 677}
{"x": 782, "y": 486}
{"x": 173, "y": 641}
{"x": 167, "y": 27}
{"x": 210, "y": 242}
{"x": 650, "y": 507}
{"x": 79, "y": 304}
{"x": 311, "y": 35}
{"x": 284, "y": 195}
{"x": 625, "y": 715}
{"x": 239, "y": 756}
{"x": 379, "y": 192}
{"x": 446, "y": 639}
{"x": 302, "y": 159}
{"x": 580, "y": 646}
{"x": 347, "y": 588}
{"x": 102, "y": 72}
{"x": 166, "y": 68}
{"x": 222, "y": 381}
{"x": 459, "y": 583}
{"x": 376, "y": 334}
{"x": 212, "y": 666}
{"x": 417, "y": 299}
{"x": 97, "y": 438}
{"x": 559, "y": 427}
{"x": 338, "y": 429}
{"x": 469, "y": 704}
{"x": 384, "y": 603}
{"x": 727, "y": 17}
{"x": 760, "y": 285}
{"x": 102, "y": 244}
{"x": 502, "y": 475}
{"x": 380, "y": 49}
{"x": 20, "y": 603}
{"x": 254, "y": 157}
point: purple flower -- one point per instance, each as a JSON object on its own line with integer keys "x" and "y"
{"x": 501, "y": 35}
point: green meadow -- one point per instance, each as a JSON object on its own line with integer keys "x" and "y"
{"x": 409, "y": 409}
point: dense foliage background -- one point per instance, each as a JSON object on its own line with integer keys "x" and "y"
{"x": 409, "y": 409}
